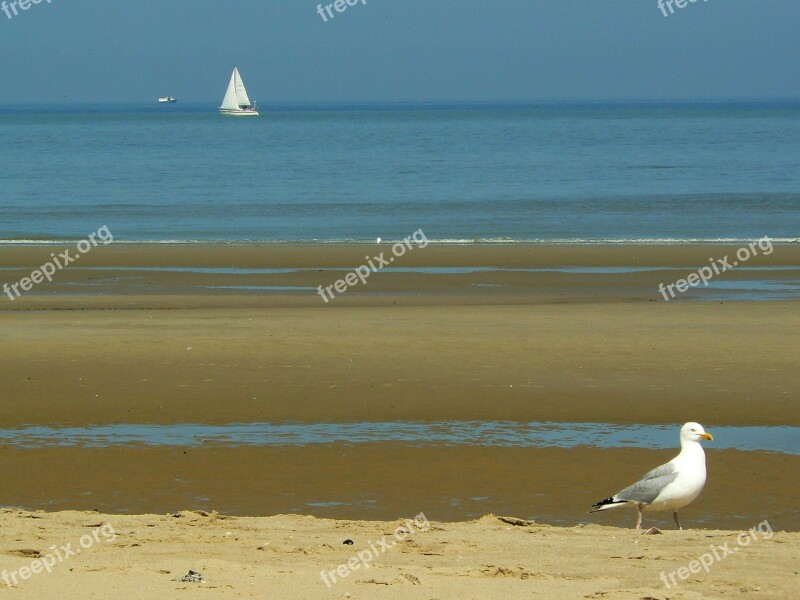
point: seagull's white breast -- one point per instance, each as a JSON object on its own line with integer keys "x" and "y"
{"x": 691, "y": 467}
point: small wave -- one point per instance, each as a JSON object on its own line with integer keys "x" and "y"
{"x": 440, "y": 241}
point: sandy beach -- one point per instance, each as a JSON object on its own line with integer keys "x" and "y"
{"x": 294, "y": 557}
{"x": 192, "y": 334}
{"x": 482, "y": 301}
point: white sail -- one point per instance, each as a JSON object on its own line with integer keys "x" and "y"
{"x": 241, "y": 92}
{"x": 231, "y": 100}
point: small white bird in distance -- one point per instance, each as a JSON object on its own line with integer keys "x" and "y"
{"x": 378, "y": 241}
{"x": 668, "y": 487}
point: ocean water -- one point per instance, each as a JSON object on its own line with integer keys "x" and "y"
{"x": 325, "y": 173}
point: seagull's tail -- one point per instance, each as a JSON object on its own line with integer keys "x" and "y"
{"x": 612, "y": 502}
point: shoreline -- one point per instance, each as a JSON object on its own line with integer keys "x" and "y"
{"x": 633, "y": 242}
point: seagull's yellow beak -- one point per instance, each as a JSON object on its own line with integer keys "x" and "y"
{"x": 708, "y": 436}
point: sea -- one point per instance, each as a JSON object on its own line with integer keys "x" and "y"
{"x": 493, "y": 173}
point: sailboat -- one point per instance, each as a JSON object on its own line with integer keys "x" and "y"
{"x": 236, "y": 101}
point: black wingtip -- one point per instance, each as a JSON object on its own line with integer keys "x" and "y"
{"x": 603, "y": 503}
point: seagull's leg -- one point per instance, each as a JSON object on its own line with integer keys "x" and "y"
{"x": 675, "y": 514}
{"x": 639, "y": 517}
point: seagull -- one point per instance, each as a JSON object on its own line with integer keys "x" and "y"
{"x": 670, "y": 486}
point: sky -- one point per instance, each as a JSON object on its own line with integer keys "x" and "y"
{"x": 131, "y": 51}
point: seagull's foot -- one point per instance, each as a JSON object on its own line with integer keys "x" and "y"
{"x": 652, "y": 531}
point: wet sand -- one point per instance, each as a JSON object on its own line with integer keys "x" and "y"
{"x": 164, "y": 347}
{"x": 139, "y": 277}
{"x": 382, "y": 481}
{"x": 720, "y": 364}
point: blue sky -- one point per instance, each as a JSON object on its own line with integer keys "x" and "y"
{"x": 400, "y": 50}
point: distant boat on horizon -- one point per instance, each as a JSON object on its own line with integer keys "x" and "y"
{"x": 237, "y": 102}
{"x": 167, "y": 100}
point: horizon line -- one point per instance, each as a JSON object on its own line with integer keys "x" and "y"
{"x": 460, "y": 102}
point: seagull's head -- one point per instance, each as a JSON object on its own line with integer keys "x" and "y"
{"x": 694, "y": 432}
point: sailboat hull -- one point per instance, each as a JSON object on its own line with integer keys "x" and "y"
{"x": 238, "y": 113}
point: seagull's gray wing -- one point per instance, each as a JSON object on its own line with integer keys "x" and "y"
{"x": 650, "y": 486}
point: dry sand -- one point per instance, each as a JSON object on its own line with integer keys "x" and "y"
{"x": 283, "y": 557}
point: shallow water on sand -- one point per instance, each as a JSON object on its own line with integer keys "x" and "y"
{"x": 449, "y": 433}
{"x": 761, "y": 283}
